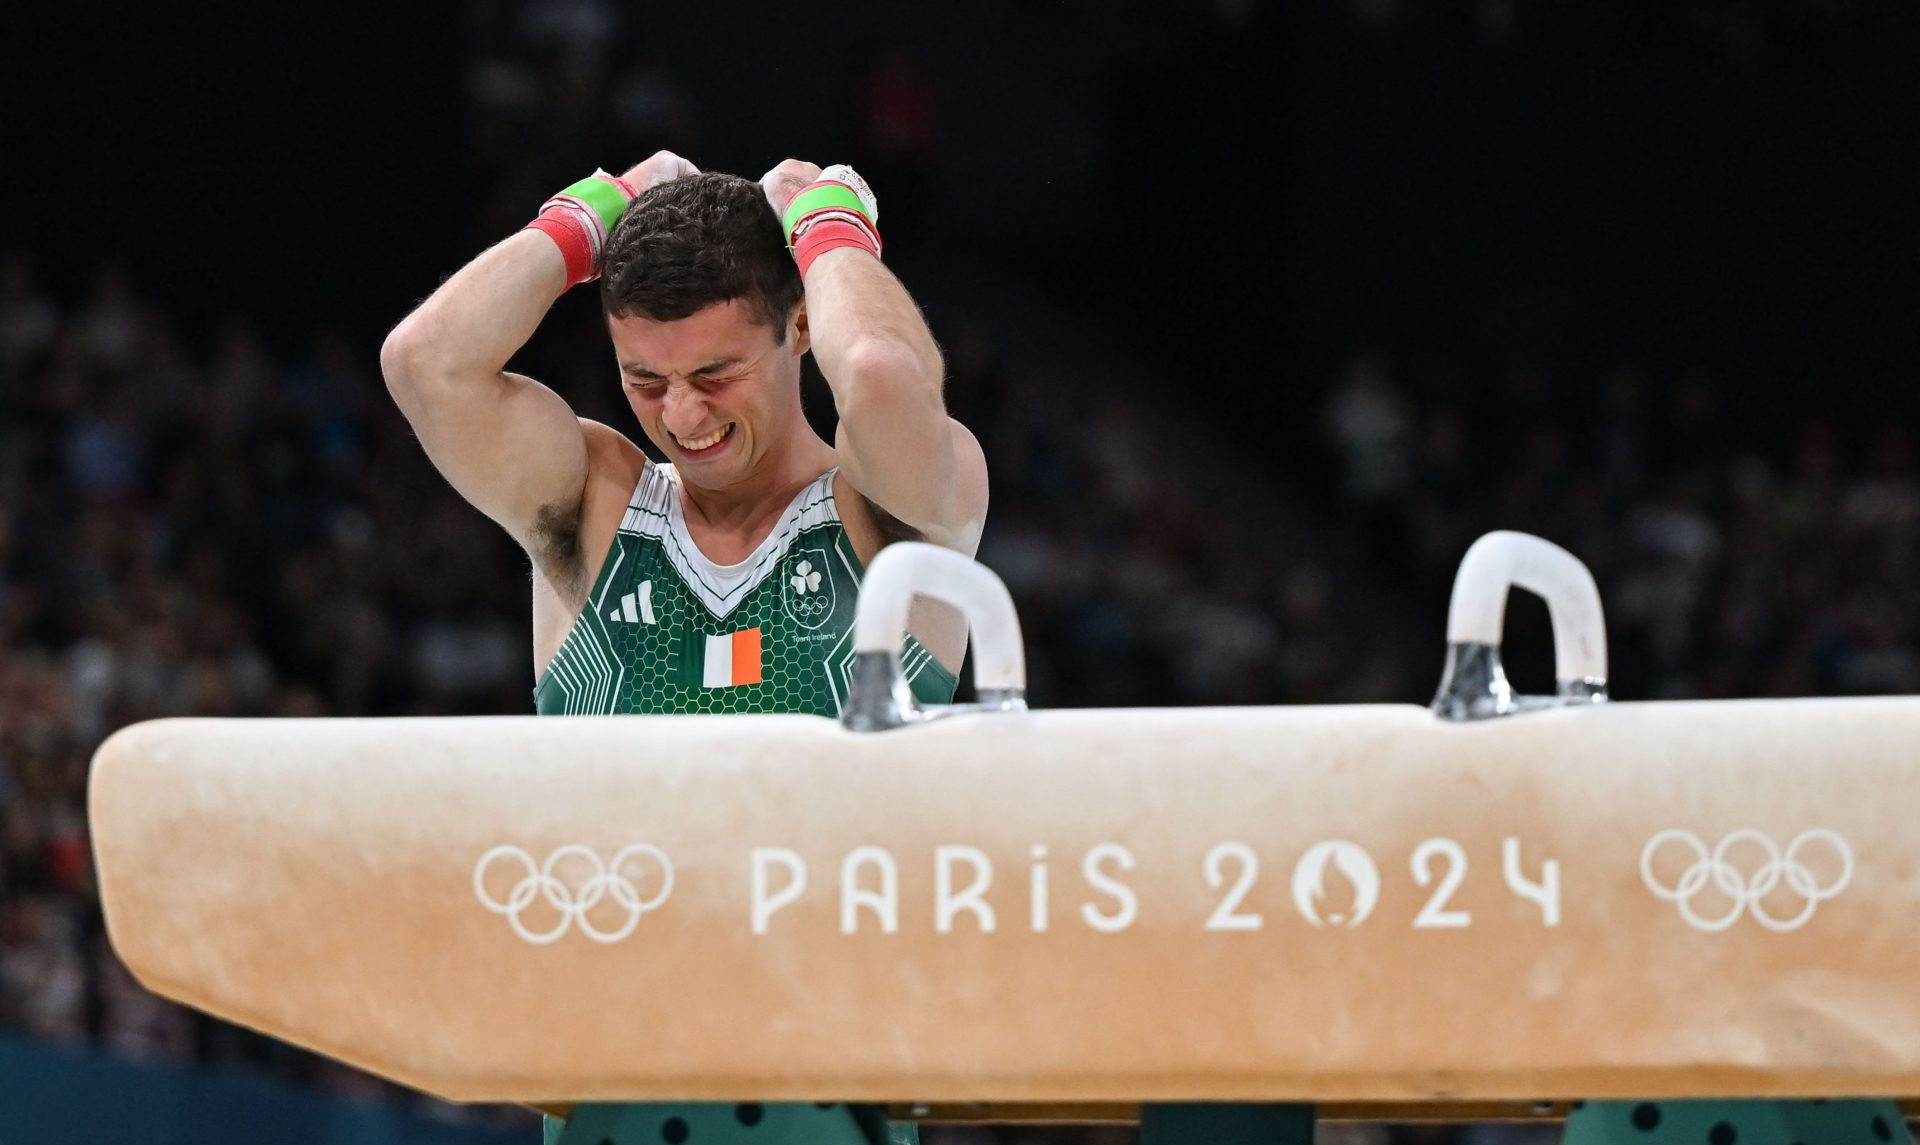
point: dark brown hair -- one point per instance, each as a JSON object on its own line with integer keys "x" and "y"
{"x": 697, "y": 240}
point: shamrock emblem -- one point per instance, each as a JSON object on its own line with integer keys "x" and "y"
{"x": 805, "y": 578}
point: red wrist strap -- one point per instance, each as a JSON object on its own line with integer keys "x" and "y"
{"x": 831, "y": 234}
{"x": 568, "y": 232}
{"x": 579, "y": 221}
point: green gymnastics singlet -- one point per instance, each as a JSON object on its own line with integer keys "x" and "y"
{"x": 667, "y": 631}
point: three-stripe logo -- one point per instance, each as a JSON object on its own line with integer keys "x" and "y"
{"x": 635, "y": 608}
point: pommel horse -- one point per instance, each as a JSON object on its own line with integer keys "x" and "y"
{"x": 1489, "y": 908}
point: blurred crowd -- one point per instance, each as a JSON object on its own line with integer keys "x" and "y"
{"x": 1785, "y": 562}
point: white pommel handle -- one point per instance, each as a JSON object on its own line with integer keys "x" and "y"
{"x": 1497, "y": 562}
{"x": 908, "y": 569}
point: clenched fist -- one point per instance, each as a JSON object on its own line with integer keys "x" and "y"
{"x": 786, "y": 180}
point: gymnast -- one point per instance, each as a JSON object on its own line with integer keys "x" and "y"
{"x": 722, "y": 579}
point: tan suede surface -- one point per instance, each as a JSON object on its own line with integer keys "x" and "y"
{"x": 316, "y": 880}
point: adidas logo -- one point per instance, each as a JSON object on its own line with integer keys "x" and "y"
{"x": 635, "y": 607}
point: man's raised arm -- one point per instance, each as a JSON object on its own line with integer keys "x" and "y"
{"x": 508, "y": 444}
{"x": 896, "y": 443}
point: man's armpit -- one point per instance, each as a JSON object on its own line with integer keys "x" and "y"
{"x": 554, "y": 545}
{"x": 890, "y": 527}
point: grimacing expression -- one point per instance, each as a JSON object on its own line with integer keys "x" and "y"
{"x": 714, "y": 391}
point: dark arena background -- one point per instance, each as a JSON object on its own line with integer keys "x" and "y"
{"x": 1261, "y": 311}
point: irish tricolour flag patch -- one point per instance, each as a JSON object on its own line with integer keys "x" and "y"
{"x": 733, "y": 659}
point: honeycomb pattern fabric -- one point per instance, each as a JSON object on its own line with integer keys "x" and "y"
{"x": 712, "y": 1123}
{"x": 667, "y": 631}
{"x": 1848, "y": 1122}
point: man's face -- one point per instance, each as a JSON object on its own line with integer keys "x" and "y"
{"x": 714, "y": 390}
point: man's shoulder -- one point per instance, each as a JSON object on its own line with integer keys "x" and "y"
{"x": 610, "y": 452}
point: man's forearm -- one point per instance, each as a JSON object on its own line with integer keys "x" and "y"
{"x": 867, "y": 332}
{"x": 886, "y": 374}
{"x": 478, "y": 319}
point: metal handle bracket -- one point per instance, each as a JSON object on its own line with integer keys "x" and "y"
{"x": 878, "y": 697}
{"x": 1473, "y": 685}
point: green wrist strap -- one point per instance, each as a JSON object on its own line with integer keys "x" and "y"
{"x": 603, "y": 197}
{"x": 825, "y": 196}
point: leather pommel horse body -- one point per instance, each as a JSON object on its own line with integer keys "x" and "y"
{"x": 1362, "y": 906}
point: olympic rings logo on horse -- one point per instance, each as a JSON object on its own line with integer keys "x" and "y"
{"x": 1747, "y": 893}
{"x": 602, "y": 881}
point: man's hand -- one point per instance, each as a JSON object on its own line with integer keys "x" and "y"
{"x": 660, "y": 167}
{"x": 787, "y": 180}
